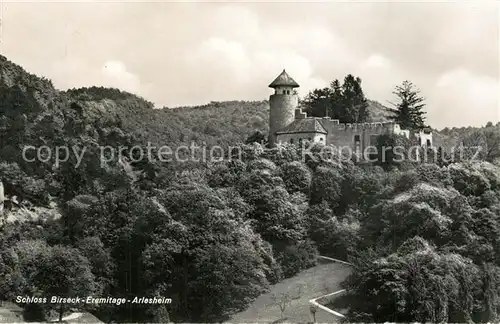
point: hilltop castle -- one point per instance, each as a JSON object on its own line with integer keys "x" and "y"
{"x": 288, "y": 124}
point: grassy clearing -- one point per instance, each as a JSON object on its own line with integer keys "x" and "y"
{"x": 10, "y": 313}
{"x": 311, "y": 283}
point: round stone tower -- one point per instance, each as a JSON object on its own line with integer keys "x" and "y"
{"x": 282, "y": 105}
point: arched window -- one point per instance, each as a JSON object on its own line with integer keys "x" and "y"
{"x": 291, "y": 140}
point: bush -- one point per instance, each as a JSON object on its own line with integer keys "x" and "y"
{"x": 297, "y": 257}
{"x": 296, "y": 177}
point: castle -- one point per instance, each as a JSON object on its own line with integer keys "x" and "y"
{"x": 288, "y": 124}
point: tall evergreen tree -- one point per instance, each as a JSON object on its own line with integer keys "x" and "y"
{"x": 318, "y": 102}
{"x": 336, "y": 99}
{"x": 345, "y": 102}
{"x": 355, "y": 105}
{"x": 408, "y": 112}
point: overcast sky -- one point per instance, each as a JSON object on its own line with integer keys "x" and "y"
{"x": 192, "y": 53}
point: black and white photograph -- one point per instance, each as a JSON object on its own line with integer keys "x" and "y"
{"x": 249, "y": 161}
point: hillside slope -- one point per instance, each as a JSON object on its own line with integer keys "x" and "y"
{"x": 33, "y": 111}
{"x": 378, "y": 112}
{"x": 214, "y": 236}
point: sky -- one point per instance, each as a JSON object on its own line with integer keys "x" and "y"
{"x": 180, "y": 53}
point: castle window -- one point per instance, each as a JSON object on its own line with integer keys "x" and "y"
{"x": 291, "y": 140}
{"x": 428, "y": 142}
{"x": 321, "y": 139}
{"x": 357, "y": 143}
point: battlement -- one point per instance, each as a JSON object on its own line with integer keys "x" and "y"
{"x": 358, "y": 126}
{"x": 288, "y": 123}
{"x": 335, "y": 123}
{"x": 299, "y": 114}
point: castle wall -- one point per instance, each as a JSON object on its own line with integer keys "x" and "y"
{"x": 354, "y": 137}
{"x": 358, "y": 136}
{"x": 281, "y": 113}
{"x": 425, "y": 138}
{"x": 296, "y": 137}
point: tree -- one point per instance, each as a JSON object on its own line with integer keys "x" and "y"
{"x": 313, "y": 309}
{"x": 417, "y": 283}
{"x": 284, "y": 299}
{"x": 333, "y": 237}
{"x": 487, "y": 140}
{"x": 296, "y": 176}
{"x": 393, "y": 149}
{"x": 100, "y": 260}
{"x": 408, "y": 111}
{"x": 345, "y": 102}
{"x": 319, "y": 102}
{"x": 256, "y": 137}
{"x": 190, "y": 254}
{"x": 326, "y": 186}
{"x": 336, "y": 97}
{"x": 64, "y": 272}
{"x": 31, "y": 267}
{"x": 2, "y": 197}
{"x": 354, "y": 103}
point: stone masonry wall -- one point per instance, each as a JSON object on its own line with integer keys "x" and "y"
{"x": 281, "y": 113}
{"x": 343, "y": 135}
{"x": 315, "y": 137}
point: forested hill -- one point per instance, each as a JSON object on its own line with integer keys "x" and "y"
{"x": 33, "y": 112}
{"x": 213, "y": 235}
{"x": 222, "y": 123}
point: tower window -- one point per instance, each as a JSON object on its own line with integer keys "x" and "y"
{"x": 291, "y": 140}
{"x": 357, "y": 139}
{"x": 428, "y": 142}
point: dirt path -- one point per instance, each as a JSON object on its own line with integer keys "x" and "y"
{"x": 317, "y": 281}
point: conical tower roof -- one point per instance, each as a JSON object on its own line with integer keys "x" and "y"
{"x": 284, "y": 80}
